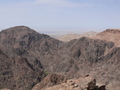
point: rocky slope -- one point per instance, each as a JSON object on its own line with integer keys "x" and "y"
{"x": 68, "y": 37}
{"x": 18, "y": 73}
{"x": 27, "y": 57}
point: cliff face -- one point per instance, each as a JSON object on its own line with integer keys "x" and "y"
{"x": 28, "y": 56}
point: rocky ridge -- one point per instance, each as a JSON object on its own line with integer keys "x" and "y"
{"x": 112, "y": 35}
{"x": 26, "y": 57}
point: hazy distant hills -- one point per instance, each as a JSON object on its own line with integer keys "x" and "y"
{"x": 27, "y": 57}
{"x": 68, "y": 37}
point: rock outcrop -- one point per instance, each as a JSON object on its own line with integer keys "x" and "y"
{"x": 83, "y": 83}
{"x": 49, "y": 81}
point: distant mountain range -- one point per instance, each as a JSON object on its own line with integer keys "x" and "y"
{"x": 68, "y": 37}
{"x": 34, "y": 61}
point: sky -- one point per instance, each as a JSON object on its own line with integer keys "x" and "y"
{"x": 61, "y": 16}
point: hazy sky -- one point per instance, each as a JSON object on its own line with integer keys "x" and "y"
{"x": 54, "y": 16}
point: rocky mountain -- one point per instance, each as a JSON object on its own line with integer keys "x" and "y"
{"x": 20, "y": 46}
{"x": 68, "y": 37}
{"x": 26, "y": 57}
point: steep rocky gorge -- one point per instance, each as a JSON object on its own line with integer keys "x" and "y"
{"x": 26, "y": 57}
